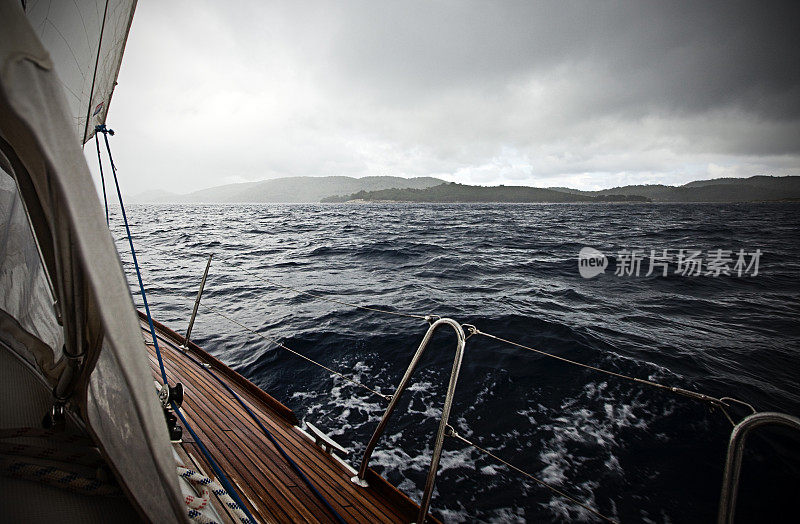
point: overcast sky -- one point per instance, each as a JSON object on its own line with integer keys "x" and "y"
{"x": 587, "y": 95}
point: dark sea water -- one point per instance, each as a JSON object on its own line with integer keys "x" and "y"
{"x": 632, "y": 452}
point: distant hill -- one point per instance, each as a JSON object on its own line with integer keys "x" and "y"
{"x": 453, "y": 192}
{"x": 428, "y": 189}
{"x": 757, "y": 188}
{"x": 289, "y": 189}
{"x": 757, "y": 181}
{"x": 155, "y": 196}
{"x": 226, "y": 193}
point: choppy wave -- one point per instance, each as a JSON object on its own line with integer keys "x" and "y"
{"x": 631, "y": 452}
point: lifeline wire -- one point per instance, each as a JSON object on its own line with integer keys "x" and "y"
{"x": 223, "y": 479}
{"x": 314, "y": 295}
{"x": 258, "y": 422}
{"x": 538, "y": 481}
{"x": 279, "y": 344}
{"x": 290, "y": 350}
{"x": 719, "y": 402}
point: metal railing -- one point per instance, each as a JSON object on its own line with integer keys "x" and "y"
{"x": 736, "y": 445}
{"x": 448, "y": 403}
{"x": 197, "y": 303}
{"x": 733, "y": 460}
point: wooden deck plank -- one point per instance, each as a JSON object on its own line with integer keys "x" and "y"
{"x": 287, "y": 437}
{"x": 306, "y": 456}
{"x": 242, "y": 449}
{"x": 205, "y": 423}
{"x": 310, "y": 455}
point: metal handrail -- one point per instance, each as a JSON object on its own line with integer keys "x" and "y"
{"x": 448, "y": 403}
{"x": 733, "y": 460}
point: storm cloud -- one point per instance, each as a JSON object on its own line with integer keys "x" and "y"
{"x": 588, "y": 95}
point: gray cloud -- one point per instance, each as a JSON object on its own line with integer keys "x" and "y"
{"x": 544, "y": 93}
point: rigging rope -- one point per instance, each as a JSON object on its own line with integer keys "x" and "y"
{"x": 452, "y": 433}
{"x": 220, "y": 474}
{"x": 718, "y": 402}
{"x": 58, "y": 477}
{"x": 266, "y": 432}
{"x": 721, "y": 403}
{"x": 102, "y": 129}
{"x": 279, "y": 344}
{"x": 223, "y": 479}
{"x": 406, "y": 314}
{"x": 62, "y": 459}
{"x": 290, "y": 350}
{"x": 102, "y": 178}
{"x": 205, "y": 484}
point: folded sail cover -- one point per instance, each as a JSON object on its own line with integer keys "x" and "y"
{"x": 63, "y": 289}
{"x": 85, "y": 40}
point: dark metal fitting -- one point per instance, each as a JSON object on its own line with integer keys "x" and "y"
{"x": 171, "y": 394}
{"x": 56, "y": 418}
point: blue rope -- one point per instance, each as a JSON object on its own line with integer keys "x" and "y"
{"x": 223, "y": 479}
{"x": 269, "y": 435}
{"x": 102, "y": 178}
{"x": 102, "y": 129}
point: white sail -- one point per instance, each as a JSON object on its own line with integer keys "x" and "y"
{"x": 70, "y": 338}
{"x": 86, "y": 40}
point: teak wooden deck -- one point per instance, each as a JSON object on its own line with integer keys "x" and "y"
{"x": 266, "y": 482}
